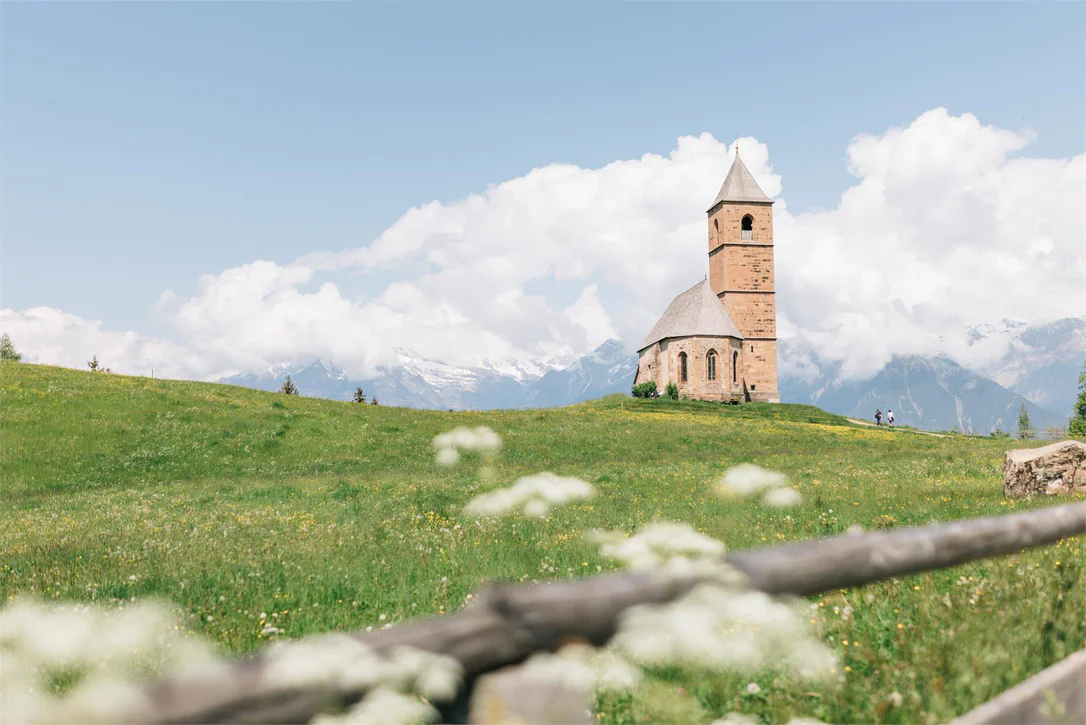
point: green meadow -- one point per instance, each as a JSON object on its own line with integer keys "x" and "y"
{"x": 249, "y": 510}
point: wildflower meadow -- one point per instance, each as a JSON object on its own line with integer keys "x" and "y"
{"x": 254, "y": 519}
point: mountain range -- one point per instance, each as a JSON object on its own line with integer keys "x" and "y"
{"x": 415, "y": 382}
{"x": 1038, "y": 367}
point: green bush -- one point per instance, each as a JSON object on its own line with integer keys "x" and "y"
{"x": 672, "y": 391}
{"x": 644, "y": 390}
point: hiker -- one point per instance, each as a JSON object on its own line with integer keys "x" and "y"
{"x": 878, "y": 417}
{"x": 890, "y": 417}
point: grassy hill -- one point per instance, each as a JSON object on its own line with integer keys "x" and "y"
{"x": 248, "y": 508}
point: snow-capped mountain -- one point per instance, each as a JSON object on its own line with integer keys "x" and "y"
{"x": 416, "y": 382}
{"x": 1035, "y": 365}
{"x": 607, "y": 369}
{"x": 1042, "y": 362}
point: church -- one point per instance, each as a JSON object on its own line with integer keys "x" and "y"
{"x": 718, "y": 339}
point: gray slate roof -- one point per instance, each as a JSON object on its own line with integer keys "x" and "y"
{"x": 739, "y": 185}
{"x": 696, "y": 312}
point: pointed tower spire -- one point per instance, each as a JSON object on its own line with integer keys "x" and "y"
{"x": 739, "y": 185}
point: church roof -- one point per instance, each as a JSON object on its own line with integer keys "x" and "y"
{"x": 696, "y": 312}
{"x": 739, "y": 185}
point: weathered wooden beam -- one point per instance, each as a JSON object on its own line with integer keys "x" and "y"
{"x": 509, "y": 623}
{"x": 1054, "y": 696}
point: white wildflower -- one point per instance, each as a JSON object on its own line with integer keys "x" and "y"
{"x": 753, "y": 688}
{"x": 570, "y": 670}
{"x": 105, "y": 701}
{"x": 614, "y": 673}
{"x": 656, "y": 544}
{"x": 722, "y": 630}
{"x": 531, "y": 495}
{"x": 748, "y": 479}
{"x": 440, "y": 679}
{"x": 896, "y": 699}
{"x": 782, "y": 497}
{"x": 447, "y": 457}
{"x": 314, "y": 661}
{"x": 481, "y": 439}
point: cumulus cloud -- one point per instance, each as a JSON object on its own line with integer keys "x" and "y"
{"x": 948, "y": 224}
{"x": 945, "y": 228}
{"x": 628, "y": 236}
{"x": 52, "y": 337}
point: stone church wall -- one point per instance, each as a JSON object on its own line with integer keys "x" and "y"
{"x": 660, "y": 362}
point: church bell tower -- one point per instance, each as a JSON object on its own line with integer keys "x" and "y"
{"x": 741, "y": 274}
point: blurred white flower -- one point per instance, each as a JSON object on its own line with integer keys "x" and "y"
{"x": 722, "y": 630}
{"x": 748, "y": 479}
{"x": 753, "y": 688}
{"x": 782, "y": 497}
{"x": 656, "y": 544}
{"x": 532, "y": 496}
{"x": 614, "y": 673}
{"x": 450, "y": 445}
{"x": 101, "y": 700}
{"x": 896, "y": 699}
{"x": 447, "y": 457}
{"x": 316, "y": 660}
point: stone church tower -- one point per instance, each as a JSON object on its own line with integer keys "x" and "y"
{"x": 741, "y": 274}
{"x": 718, "y": 339}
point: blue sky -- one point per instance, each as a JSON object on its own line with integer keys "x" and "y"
{"x": 146, "y": 144}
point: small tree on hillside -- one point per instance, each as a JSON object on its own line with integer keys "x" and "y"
{"x": 359, "y": 396}
{"x": 1077, "y": 427}
{"x": 289, "y": 388}
{"x": 7, "y": 349}
{"x": 1025, "y": 427}
{"x": 373, "y": 400}
{"x": 93, "y": 364}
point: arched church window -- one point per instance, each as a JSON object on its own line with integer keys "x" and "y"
{"x": 710, "y": 364}
{"x": 748, "y": 227}
{"x": 735, "y": 367}
{"x": 716, "y": 226}
{"x": 682, "y": 367}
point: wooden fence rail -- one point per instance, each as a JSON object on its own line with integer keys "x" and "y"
{"x": 508, "y": 623}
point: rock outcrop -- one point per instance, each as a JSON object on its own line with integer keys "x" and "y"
{"x": 1059, "y": 468}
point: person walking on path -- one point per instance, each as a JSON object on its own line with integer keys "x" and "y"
{"x": 890, "y": 417}
{"x": 878, "y": 417}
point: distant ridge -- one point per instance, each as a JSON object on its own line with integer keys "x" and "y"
{"x": 1040, "y": 370}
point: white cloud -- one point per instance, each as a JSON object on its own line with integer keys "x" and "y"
{"x": 945, "y": 226}
{"x": 944, "y": 229}
{"x": 49, "y": 336}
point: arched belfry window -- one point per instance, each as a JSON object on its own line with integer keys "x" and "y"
{"x": 682, "y": 367}
{"x": 710, "y": 364}
{"x": 735, "y": 367}
{"x": 748, "y": 227}
{"x": 716, "y": 226}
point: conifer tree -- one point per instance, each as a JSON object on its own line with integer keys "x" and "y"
{"x": 7, "y": 349}
{"x": 289, "y": 388}
{"x": 93, "y": 364}
{"x": 359, "y": 395}
{"x": 1025, "y": 427}
{"x": 373, "y": 400}
{"x": 1077, "y": 427}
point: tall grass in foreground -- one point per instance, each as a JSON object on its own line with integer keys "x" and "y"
{"x": 257, "y": 512}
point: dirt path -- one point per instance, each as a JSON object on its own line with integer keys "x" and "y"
{"x": 872, "y": 425}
